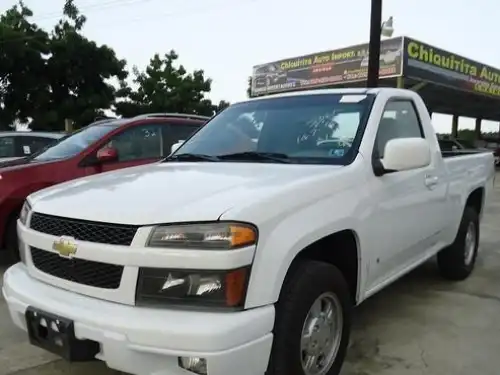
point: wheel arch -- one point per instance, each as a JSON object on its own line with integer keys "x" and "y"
{"x": 476, "y": 200}
{"x": 342, "y": 250}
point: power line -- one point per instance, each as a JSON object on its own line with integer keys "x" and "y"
{"x": 148, "y": 19}
{"x": 90, "y": 8}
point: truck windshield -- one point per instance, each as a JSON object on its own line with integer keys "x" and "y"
{"x": 75, "y": 143}
{"x": 314, "y": 128}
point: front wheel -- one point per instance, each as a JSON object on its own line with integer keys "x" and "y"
{"x": 457, "y": 261}
{"x": 313, "y": 319}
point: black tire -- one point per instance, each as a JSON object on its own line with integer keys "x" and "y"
{"x": 11, "y": 242}
{"x": 307, "y": 282}
{"x": 456, "y": 262}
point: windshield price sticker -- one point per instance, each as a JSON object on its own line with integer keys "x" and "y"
{"x": 352, "y": 98}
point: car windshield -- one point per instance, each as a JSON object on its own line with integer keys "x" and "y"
{"x": 315, "y": 128}
{"x": 75, "y": 143}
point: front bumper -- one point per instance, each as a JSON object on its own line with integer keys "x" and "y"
{"x": 149, "y": 341}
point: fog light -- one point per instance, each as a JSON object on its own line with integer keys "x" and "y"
{"x": 194, "y": 364}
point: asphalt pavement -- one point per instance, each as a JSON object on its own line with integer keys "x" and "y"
{"x": 420, "y": 325}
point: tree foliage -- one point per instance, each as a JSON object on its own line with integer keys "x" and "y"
{"x": 165, "y": 87}
{"x": 49, "y": 76}
{"x": 80, "y": 71}
{"x": 249, "y": 88}
{"x": 23, "y": 47}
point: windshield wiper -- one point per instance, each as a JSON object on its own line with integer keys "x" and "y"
{"x": 191, "y": 157}
{"x": 256, "y": 156}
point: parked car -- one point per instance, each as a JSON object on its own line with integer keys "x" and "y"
{"x": 105, "y": 145}
{"x": 232, "y": 256}
{"x": 449, "y": 144}
{"x": 20, "y": 144}
{"x": 452, "y": 146}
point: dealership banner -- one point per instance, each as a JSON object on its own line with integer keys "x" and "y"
{"x": 425, "y": 62}
{"x": 340, "y": 66}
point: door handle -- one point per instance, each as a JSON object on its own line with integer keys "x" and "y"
{"x": 431, "y": 181}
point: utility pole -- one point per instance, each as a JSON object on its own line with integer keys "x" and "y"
{"x": 68, "y": 126}
{"x": 374, "y": 46}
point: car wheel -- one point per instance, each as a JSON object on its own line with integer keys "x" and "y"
{"x": 457, "y": 261}
{"x": 313, "y": 319}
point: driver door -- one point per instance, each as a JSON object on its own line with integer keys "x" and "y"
{"x": 137, "y": 145}
{"x": 406, "y": 219}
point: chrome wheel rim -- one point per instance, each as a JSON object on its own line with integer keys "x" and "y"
{"x": 470, "y": 243}
{"x": 321, "y": 335}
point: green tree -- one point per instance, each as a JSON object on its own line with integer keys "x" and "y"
{"x": 23, "y": 82}
{"x": 221, "y": 106}
{"x": 249, "y": 88}
{"x": 165, "y": 87}
{"x": 49, "y": 77}
{"x": 467, "y": 135}
{"x": 79, "y": 72}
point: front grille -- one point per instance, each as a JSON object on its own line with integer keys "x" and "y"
{"x": 81, "y": 271}
{"x": 91, "y": 231}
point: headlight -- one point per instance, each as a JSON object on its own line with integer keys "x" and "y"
{"x": 213, "y": 236}
{"x": 25, "y": 210}
{"x": 167, "y": 287}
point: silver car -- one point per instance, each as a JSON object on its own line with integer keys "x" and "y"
{"x": 19, "y": 144}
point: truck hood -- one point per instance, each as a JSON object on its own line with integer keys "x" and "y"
{"x": 171, "y": 192}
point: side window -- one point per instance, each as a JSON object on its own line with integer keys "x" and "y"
{"x": 27, "y": 145}
{"x": 173, "y": 133}
{"x": 138, "y": 142}
{"x": 7, "y": 149}
{"x": 399, "y": 120}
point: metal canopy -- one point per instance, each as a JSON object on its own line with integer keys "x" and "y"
{"x": 449, "y": 83}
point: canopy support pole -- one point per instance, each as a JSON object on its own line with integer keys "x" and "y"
{"x": 478, "y": 129}
{"x": 454, "y": 126}
{"x": 400, "y": 82}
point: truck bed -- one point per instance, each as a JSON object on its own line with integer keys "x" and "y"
{"x": 450, "y": 154}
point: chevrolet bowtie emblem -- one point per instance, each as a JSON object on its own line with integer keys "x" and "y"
{"x": 65, "y": 246}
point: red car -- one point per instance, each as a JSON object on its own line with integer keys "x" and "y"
{"x": 103, "y": 146}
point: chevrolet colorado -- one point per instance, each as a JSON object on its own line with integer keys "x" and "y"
{"x": 241, "y": 256}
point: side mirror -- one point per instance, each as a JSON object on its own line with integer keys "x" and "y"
{"x": 403, "y": 154}
{"x": 107, "y": 154}
{"x": 175, "y": 146}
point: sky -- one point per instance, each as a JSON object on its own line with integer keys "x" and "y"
{"x": 226, "y": 38}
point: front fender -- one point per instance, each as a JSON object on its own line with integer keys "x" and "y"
{"x": 283, "y": 238}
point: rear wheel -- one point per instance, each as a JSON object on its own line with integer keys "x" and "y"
{"x": 457, "y": 261}
{"x": 312, "y": 326}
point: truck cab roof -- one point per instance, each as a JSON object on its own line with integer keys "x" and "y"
{"x": 346, "y": 91}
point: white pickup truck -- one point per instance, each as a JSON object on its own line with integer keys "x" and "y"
{"x": 235, "y": 256}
